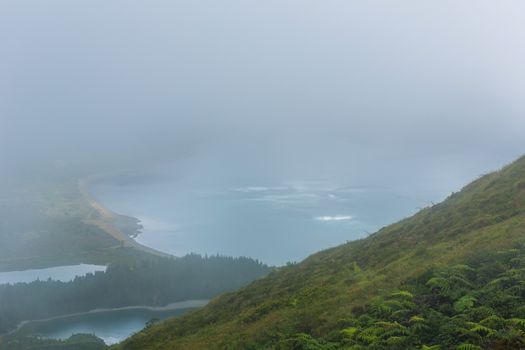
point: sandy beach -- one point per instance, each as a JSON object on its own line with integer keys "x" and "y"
{"x": 106, "y": 219}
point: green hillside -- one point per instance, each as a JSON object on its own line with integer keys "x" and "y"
{"x": 452, "y": 276}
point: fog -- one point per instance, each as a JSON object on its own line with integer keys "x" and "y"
{"x": 378, "y": 92}
{"x": 242, "y": 137}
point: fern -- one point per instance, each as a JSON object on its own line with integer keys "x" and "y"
{"x": 368, "y": 338}
{"x": 463, "y": 269}
{"x": 438, "y": 283}
{"x": 501, "y": 281}
{"x": 395, "y": 333}
{"x": 381, "y": 309}
{"x": 431, "y": 347}
{"x": 416, "y": 319}
{"x": 370, "y": 335}
{"x": 400, "y": 304}
{"x": 493, "y": 321}
{"x": 460, "y": 281}
{"x": 402, "y": 294}
{"x": 480, "y": 329}
{"x": 396, "y": 340}
{"x": 520, "y": 322}
{"x": 464, "y": 303}
{"x": 356, "y": 347}
{"x": 388, "y": 325}
{"x": 467, "y": 346}
{"x": 349, "y": 332}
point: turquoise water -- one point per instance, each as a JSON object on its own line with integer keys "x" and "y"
{"x": 59, "y": 273}
{"x": 211, "y": 209}
{"x": 112, "y": 326}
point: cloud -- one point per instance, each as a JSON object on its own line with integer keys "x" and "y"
{"x": 365, "y": 91}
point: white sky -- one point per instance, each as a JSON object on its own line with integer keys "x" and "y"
{"x": 431, "y": 88}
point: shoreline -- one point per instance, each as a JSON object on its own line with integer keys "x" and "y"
{"x": 107, "y": 218}
{"x": 186, "y": 304}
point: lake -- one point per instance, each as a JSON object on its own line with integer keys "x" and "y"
{"x": 211, "y": 208}
{"x": 58, "y": 273}
{"x": 112, "y": 326}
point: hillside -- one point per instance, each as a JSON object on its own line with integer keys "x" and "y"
{"x": 453, "y": 272}
{"x": 53, "y": 220}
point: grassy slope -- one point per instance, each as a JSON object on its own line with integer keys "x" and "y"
{"x": 312, "y": 296}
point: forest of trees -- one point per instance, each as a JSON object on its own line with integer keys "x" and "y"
{"x": 153, "y": 282}
{"x": 75, "y": 342}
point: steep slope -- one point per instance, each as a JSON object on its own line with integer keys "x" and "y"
{"x": 298, "y": 303}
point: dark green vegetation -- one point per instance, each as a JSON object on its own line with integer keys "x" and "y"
{"x": 75, "y": 342}
{"x": 152, "y": 282}
{"x": 475, "y": 306}
{"x": 450, "y": 277}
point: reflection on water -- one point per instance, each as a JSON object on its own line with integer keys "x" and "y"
{"x": 111, "y": 326}
{"x": 58, "y": 273}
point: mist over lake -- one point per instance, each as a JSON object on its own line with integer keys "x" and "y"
{"x": 232, "y": 205}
